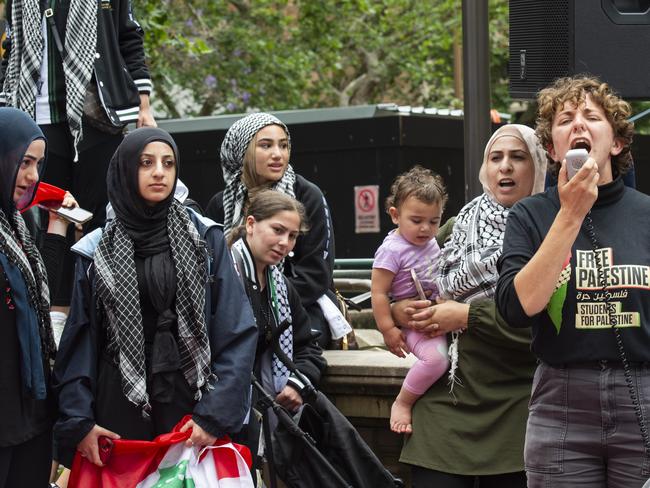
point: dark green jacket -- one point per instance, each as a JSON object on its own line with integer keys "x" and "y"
{"x": 480, "y": 428}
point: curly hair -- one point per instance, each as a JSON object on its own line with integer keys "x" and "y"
{"x": 420, "y": 183}
{"x": 574, "y": 90}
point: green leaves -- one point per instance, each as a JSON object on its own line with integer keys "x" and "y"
{"x": 216, "y": 56}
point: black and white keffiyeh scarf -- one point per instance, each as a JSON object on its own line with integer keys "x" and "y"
{"x": 277, "y": 288}
{"x": 20, "y": 250}
{"x": 175, "y": 272}
{"x": 233, "y": 149}
{"x": 27, "y": 52}
{"x": 117, "y": 285}
{"x": 467, "y": 268}
{"x": 23, "y": 263}
{"x": 468, "y": 263}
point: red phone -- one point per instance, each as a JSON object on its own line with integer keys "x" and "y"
{"x": 50, "y": 197}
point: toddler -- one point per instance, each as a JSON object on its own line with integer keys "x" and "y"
{"x": 415, "y": 206}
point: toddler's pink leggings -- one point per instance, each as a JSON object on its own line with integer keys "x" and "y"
{"x": 431, "y": 364}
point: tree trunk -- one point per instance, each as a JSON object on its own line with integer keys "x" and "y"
{"x": 165, "y": 98}
{"x": 359, "y": 90}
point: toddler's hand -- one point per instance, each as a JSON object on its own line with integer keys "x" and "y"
{"x": 394, "y": 340}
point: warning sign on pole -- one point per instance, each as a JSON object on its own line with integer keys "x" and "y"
{"x": 366, "y": 209}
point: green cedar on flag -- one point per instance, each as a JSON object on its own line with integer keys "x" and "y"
{"x": 165, "y": 462}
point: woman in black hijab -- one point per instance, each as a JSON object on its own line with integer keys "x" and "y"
{"x": 26, "y": 341}
{"x": 160, "y": 326}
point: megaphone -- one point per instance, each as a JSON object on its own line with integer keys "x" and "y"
{"x": 47, "y": 196}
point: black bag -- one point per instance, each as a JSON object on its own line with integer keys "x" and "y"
{"x": 94, "y": 113}
{"x": 348, "y": 341}
{"x": 337, "y": 439}
{"x": 342, "y": 449}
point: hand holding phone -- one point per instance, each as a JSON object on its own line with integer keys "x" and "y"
{"x": 575, "y": 158}
{"x": 418, "y": 285}
{"x": 76, "y": 215}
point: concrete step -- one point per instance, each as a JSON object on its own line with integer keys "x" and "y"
{"x": 367, "y": 338}
{"x": 362, "y": 319}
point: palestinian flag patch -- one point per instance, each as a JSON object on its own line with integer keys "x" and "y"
{"x": 556, "y": 303}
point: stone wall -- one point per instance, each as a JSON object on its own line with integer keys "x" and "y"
{"x": 363, "y": 385}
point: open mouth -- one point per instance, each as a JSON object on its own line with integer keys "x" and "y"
{"x": 581, "y": 144}
{"x": 506, "y": 183}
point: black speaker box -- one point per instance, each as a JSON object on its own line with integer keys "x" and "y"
{"x": 606, "y": 38}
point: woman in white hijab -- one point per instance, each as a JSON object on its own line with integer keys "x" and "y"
{"x": 481, "y": 413}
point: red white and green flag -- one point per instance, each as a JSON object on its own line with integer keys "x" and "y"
{"x": 165, "y": 462}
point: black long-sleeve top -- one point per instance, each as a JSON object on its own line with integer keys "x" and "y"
{"x": 575, "y": 325}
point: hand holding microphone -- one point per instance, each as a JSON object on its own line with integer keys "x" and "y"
{"x": 578, "y": 190}
{"x": 575, "y": 158}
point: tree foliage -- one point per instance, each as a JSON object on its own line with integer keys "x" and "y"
{"x": 230, "y": 56}
{"x": 216, "y": 56}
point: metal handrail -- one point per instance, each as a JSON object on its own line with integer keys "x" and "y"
{"x": 353, "y": 268}
{"x": 354, "y": 263}
{"x": 352, "y": 276}
{"x": 352, "y": 273}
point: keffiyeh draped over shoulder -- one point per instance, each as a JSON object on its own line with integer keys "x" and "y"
{"x": 280, "y": 303}
{"x": 22, "y": 262}
{"x": 233, "y": 149}
{"x": 27, "y": 53}
{"x": 468, "y": 265}
{"x": 467, "y": 268}
{"x": 175, "y": 270}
